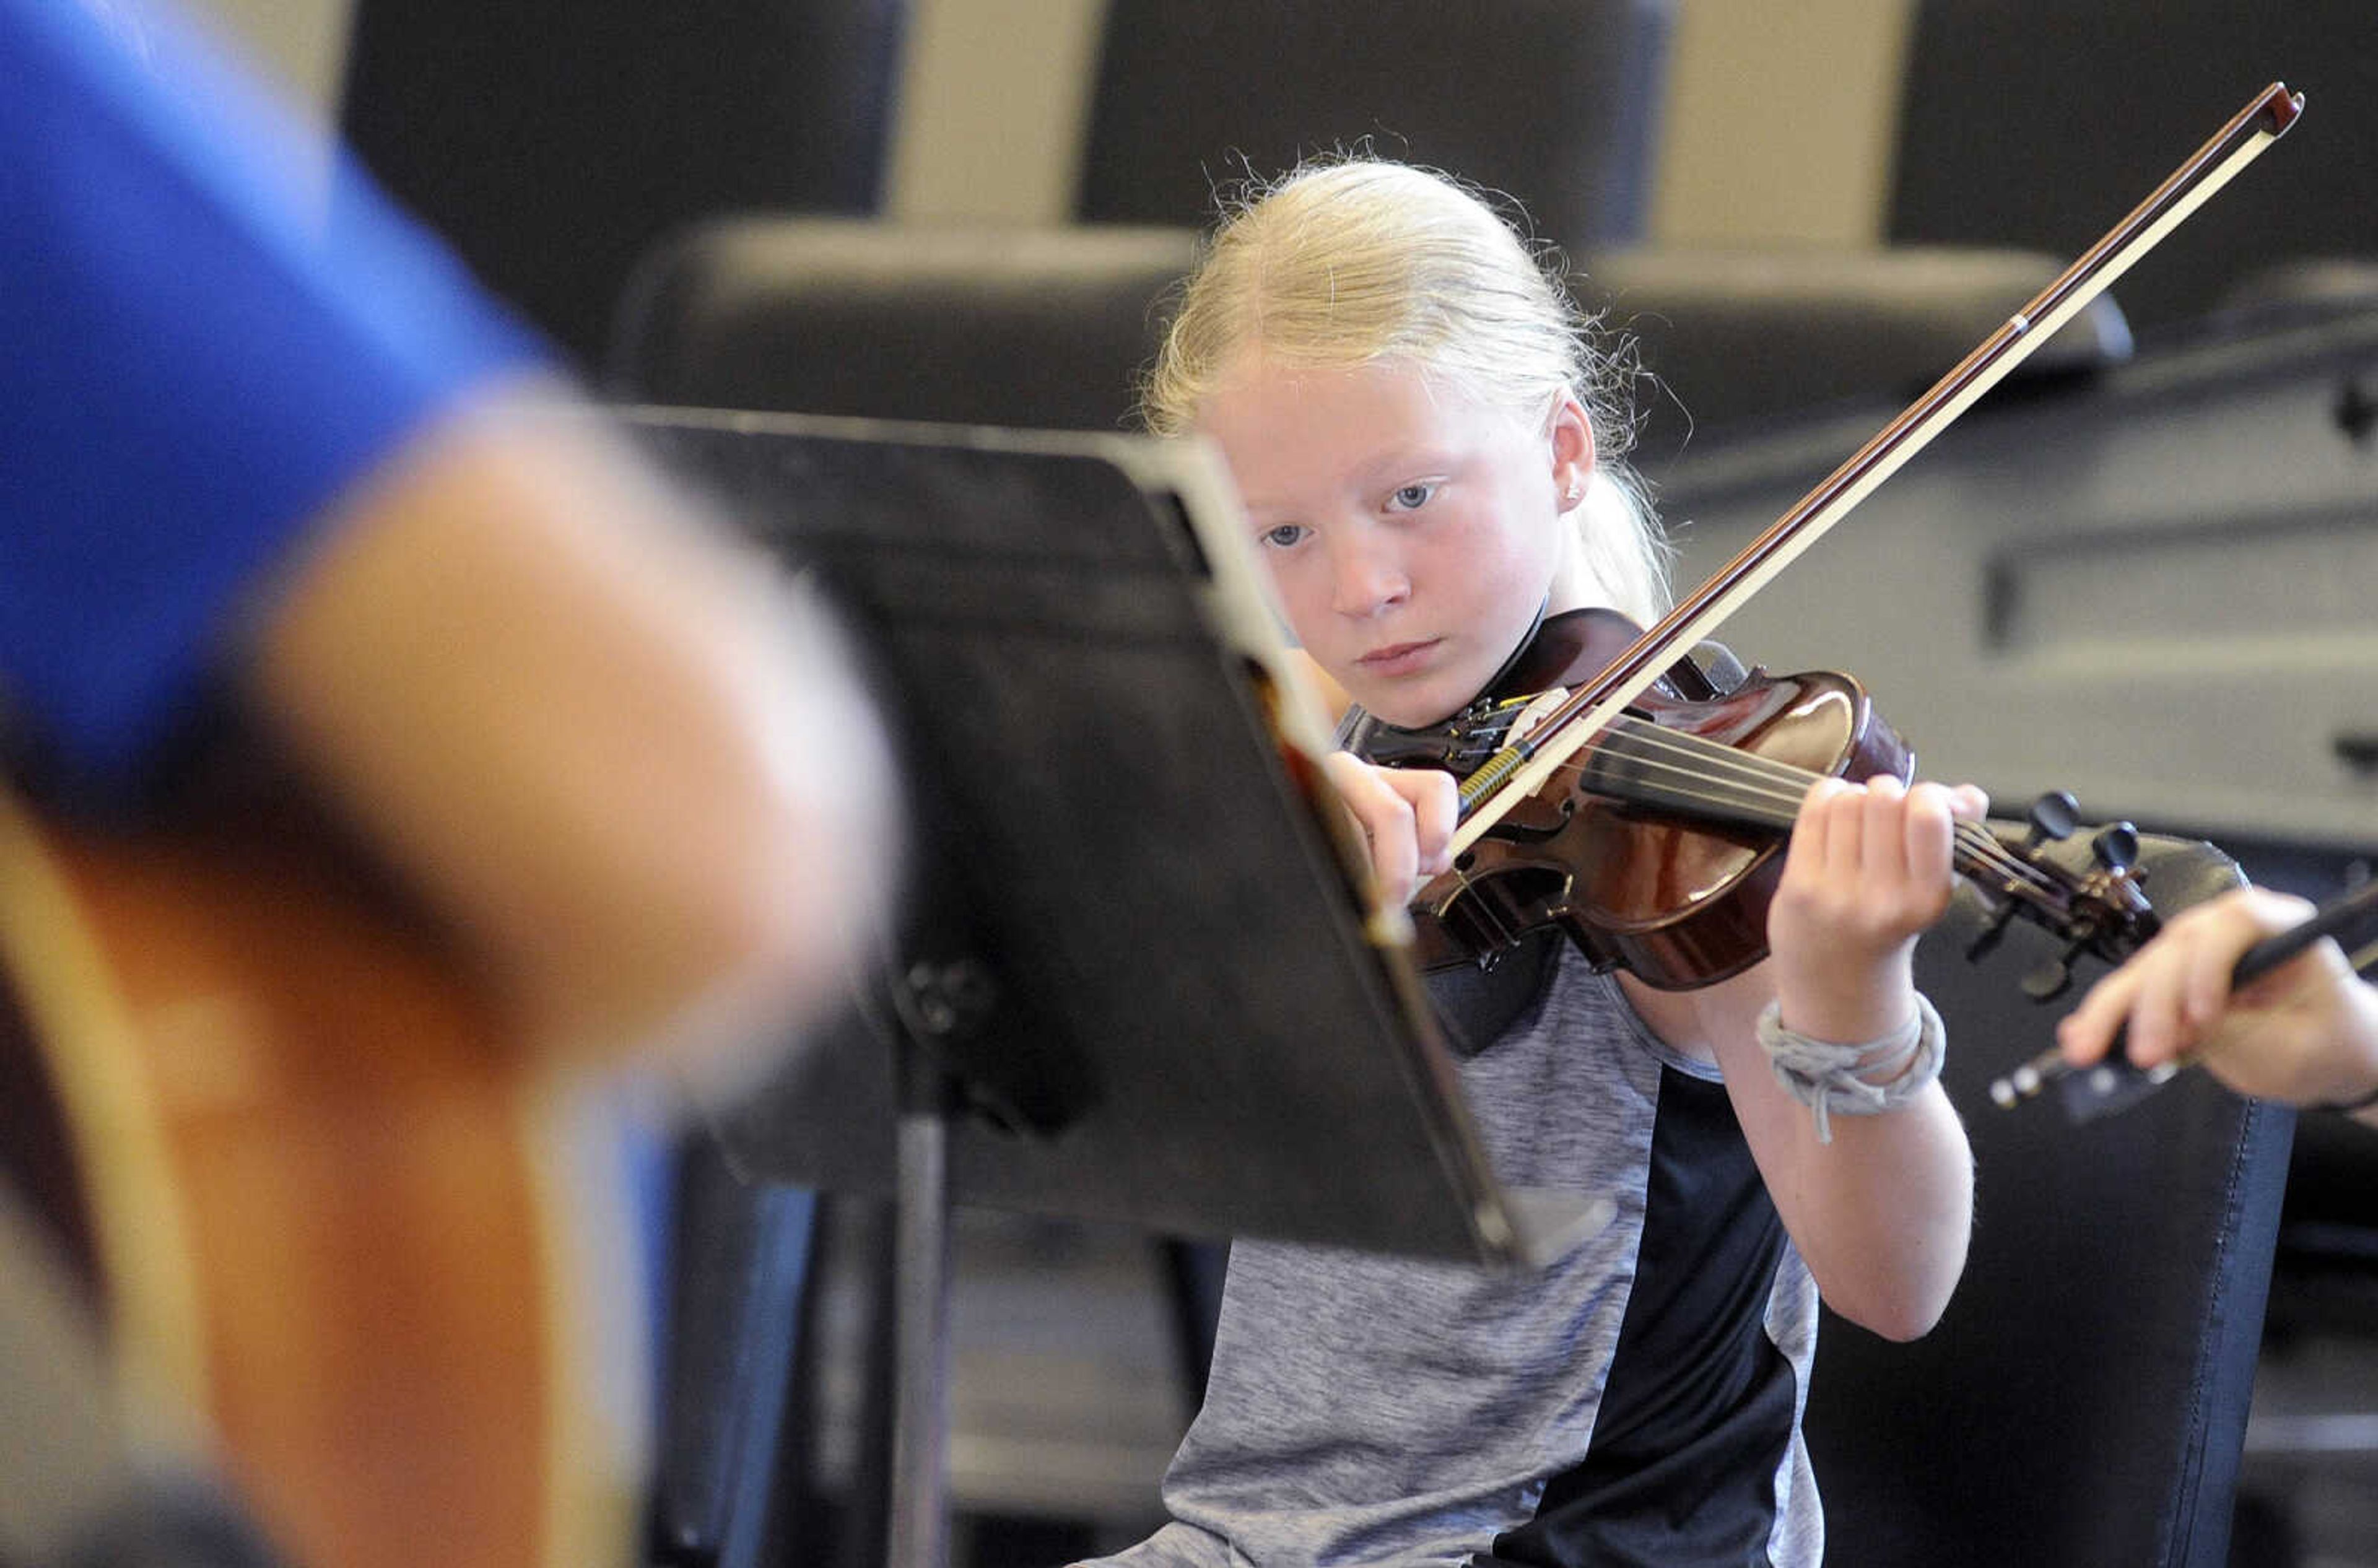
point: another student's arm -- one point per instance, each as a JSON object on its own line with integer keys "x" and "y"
{"x": 605, "y": 742}
{"x": 2306, "y": 1033}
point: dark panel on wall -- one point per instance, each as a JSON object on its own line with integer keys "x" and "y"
{"x": 552, "y": 140}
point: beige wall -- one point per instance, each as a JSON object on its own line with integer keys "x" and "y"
{"x": 1779, "y": 121}
{"x": 992, "y": 105}
{"x": 302, "y": 43}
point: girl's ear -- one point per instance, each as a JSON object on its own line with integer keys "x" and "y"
{"x": 1570, "y": 436}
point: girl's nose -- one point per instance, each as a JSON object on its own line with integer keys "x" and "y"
{"x": 1366, "y": 578}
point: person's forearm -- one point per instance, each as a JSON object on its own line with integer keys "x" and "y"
{"x": 599, "y": 737}
{"x": 1882, "y": 1212}
{"x": 1885, "y": 1205}
{"x": 1886, "y": 1212}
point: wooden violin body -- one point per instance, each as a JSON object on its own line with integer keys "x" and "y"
{"x": 1637, "y": 864}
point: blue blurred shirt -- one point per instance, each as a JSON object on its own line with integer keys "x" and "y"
{"x": 196, "y": 359}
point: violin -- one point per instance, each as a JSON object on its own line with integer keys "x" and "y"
{"x": 1643, "y": 812}
{"x": 1658, "y": 847}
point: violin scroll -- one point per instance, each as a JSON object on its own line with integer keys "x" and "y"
{"x": 2100, "y": 910}
{"x": 2097, "y": 909}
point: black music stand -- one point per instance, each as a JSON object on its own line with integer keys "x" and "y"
{"x": 1136, "y": 980}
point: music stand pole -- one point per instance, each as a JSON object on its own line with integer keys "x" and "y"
{"x": 919, "y": 1501}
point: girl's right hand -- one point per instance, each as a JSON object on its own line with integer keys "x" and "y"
{"x": 1406, "y": 815}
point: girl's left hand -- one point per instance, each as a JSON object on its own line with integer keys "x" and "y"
{"x": 1866, "y": 872}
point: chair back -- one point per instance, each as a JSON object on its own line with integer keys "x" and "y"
{"x": 1041, "y": 328}
{"x": 2039, "y": 125}
{"x": 1740, "y": 339}
{"x": 2085, "y": 1397}
{"x": 1554, "y": 102}
{"x": 552, "y": 143}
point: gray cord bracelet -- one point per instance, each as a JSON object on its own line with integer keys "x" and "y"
{"x": 1828, "y": 1078}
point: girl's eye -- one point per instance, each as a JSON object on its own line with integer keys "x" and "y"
{"x": 1281, "y": 536}
{"x": 1412, "y": 497}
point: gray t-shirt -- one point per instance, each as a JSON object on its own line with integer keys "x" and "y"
{"x": 1636, "y": 1401}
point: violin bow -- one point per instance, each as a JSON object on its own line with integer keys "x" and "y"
{"x": 1516, "y": 772}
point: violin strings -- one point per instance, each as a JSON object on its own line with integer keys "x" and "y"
{"x": 1756, "y": 782}
{"x": 1786, "y": 784}
{"x": 1752, "y": 782}
{"x": 1745, "y": 780}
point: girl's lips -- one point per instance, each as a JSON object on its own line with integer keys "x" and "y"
{"x": 1400, "y": 658}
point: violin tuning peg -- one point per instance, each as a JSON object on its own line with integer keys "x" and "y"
{"x": 2116, "y": 847}
{"x": 2051, "y": 979}
{"x": 2053, "y": 816}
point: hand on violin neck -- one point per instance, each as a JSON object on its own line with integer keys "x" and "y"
{"x": 1868, "y": 871}
{"x": 1406, "y": 815}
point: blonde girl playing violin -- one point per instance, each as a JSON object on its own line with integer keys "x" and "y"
{"x": 1425, "y": 441}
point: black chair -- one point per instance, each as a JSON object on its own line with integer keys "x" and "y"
{"x": 2039, "y": 125}
{"x": 1555, "y": 101}
{"x": 1739, "y": 339}
{"x": 552, "y": 141}
{"x": 1043, "y": 328}
{"x": 2083, "y": 1399}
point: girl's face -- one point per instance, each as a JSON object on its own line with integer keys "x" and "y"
{"x": 1412, "y": 533}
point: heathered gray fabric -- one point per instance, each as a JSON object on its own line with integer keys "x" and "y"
{"x": 1374, "y": 1410}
